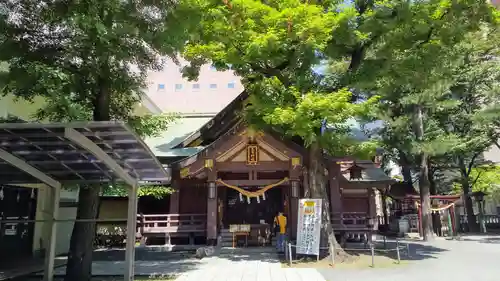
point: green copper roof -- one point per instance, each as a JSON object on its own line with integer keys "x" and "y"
{"x": 162, "y": 146}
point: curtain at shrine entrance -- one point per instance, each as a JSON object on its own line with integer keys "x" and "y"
{"x": 237, "y": 209}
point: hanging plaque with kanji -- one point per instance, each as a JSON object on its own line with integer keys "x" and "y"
{"x": 252, "y": 154}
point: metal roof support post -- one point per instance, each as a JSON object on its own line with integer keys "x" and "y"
{"x": 54, "y": 200}
{"x": 50, "y": 253}
{"x": 131, "y": 232}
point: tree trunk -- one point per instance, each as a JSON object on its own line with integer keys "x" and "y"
{"x": 469, "y": 205}
{"x": 79, "y": 266}
{"x": 317, "y": 186}
{"x": 432, "y": 182}
{"x": 425, "y": 199}
{"x": 405, "y": 169}
{"x": 423, "y": 180}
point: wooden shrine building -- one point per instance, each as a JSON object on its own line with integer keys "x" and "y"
{"x": 244, "y": 177}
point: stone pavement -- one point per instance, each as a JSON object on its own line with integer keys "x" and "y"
{"x": 250, "y": 266}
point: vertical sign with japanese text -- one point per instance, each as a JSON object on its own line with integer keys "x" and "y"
{"x": 309, "y": 226}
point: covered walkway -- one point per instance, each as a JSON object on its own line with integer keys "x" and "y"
{"x": 68, "y": 154}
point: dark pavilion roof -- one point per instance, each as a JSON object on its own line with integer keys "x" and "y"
{"x": 368, "y": 171}
{"x": 401, "y": 190}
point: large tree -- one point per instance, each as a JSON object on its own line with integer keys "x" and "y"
{"x": 274, "y": 47}
{"x": 89, "y": 60}
{"x": 277, "y": 48}
{"x": 475, "y": 89}
{"x": 417, "y": 81}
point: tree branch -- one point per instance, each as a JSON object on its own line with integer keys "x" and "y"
{"x": 475, "y": 180}
{"x": 471, "y": 163}
{"x": 431, "y": 31}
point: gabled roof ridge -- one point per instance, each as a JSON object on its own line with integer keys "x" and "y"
{"x": 218, "y": 117}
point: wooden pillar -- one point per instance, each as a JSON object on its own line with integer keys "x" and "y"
{"x": 305, "y": 184}
{"x": 372, "y": 207}
{"x": 335, "y": 193}
{"x": 294, "y": 204}
{"x": 384, "y": 207}
{"x": 296, "y": 171}
{"x": 211, "y": 207}
{"x": 174, "y": 197}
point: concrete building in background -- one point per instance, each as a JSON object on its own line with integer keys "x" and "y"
{"x": 171, "y": 92}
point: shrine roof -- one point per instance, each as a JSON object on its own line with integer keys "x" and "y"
{"x": 370, "y": 172}
{"x": 401, "y": 190}
{"x": 182, "y": 128}
{"x": 220, "y": 124}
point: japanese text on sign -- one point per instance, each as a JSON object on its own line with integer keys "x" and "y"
{"x": 309, "y": 226}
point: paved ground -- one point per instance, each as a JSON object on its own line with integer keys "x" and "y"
{"x": 473, "y": 258}
{"x": 249, "y": 266}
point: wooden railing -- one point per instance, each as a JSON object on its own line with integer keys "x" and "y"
{"x": 171, "y": 223}
{"x": 350, "y": 220}
{"x": 488, "y": 219}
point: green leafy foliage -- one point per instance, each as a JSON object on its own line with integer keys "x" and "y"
{"x": 145, "y": 190}
{"x": 274, "y": 47}
{"x": 93, "y": 63}
{"x": 427, "y": 117}
{"x": 445, "y": 74}
{"x": 303, "y": 114}
{"x": 484, "y": 178}
{"x": 151, "y": 125}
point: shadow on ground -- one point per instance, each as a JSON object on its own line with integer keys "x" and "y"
{"x": 385, "y": 254}
{"x": 408, "y": 251}
{"x": 111, "y": 263}
{"x": 117, "y": 254}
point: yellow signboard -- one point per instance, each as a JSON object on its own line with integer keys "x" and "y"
{"x": 309, "y": 207}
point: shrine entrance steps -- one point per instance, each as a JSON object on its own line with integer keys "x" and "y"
{"x": 227, "y": 240}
